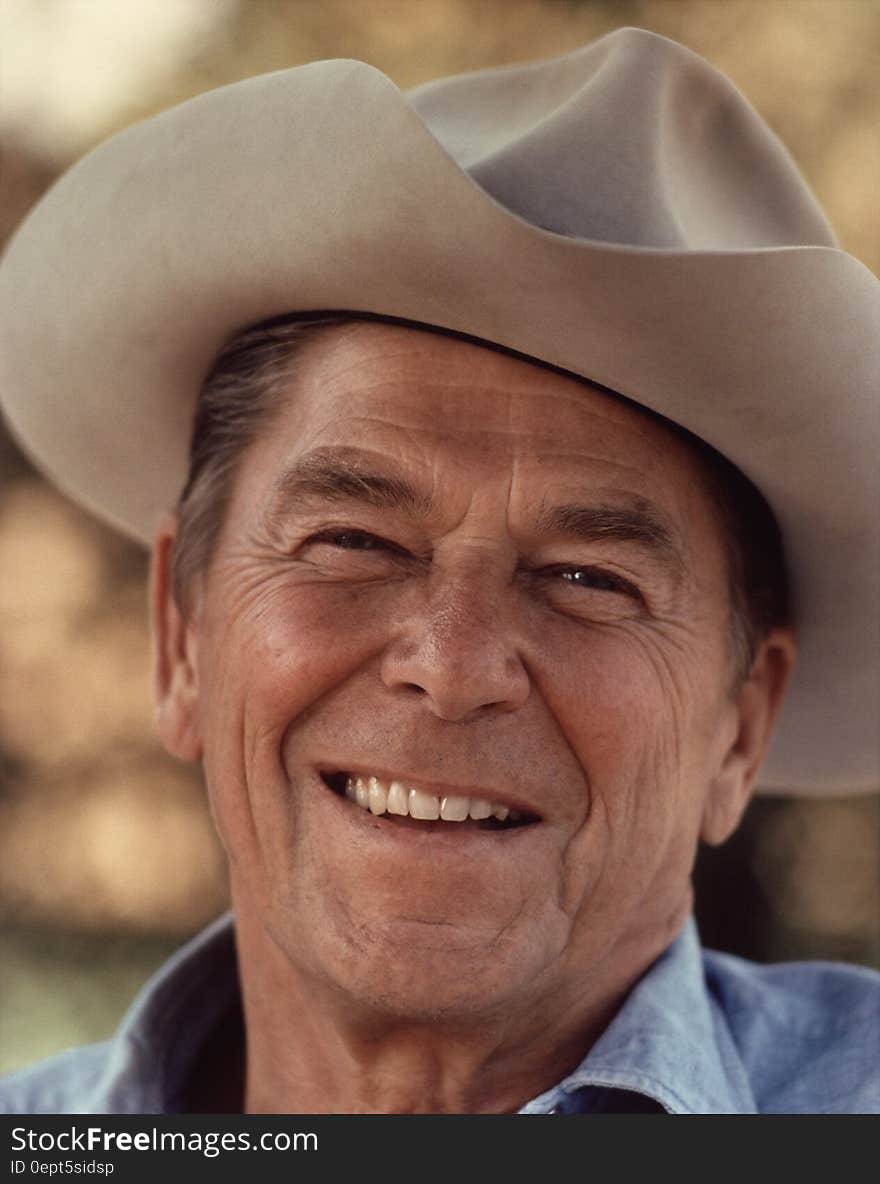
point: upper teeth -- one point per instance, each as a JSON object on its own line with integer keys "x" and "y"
{"x": 393, "y": 797}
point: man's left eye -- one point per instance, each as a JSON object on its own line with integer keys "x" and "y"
{"x": 591, "y": 577}
{"x": 597, "y": 579}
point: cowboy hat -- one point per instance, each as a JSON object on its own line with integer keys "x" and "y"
{"x": 620, "y": 212}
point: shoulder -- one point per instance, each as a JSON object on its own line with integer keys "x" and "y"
{"x": 63, "y": 1084}
{"x": 808, "y": 1033}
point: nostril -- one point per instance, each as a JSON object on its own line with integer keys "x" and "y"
{"x": 457, "y": 682}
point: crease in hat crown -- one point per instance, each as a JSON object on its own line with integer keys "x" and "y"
{"x": 621, "y": 212}
{"x": 692, "y": 165}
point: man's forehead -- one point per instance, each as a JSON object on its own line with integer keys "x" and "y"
{"x": 386, "y": 379}
{"x": 421, "y": 424}
{"x": 365, "y": 472}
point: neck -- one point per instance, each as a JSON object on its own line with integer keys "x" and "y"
{"x": 311, "y": 1048}
{"x": 338, "y": 1062}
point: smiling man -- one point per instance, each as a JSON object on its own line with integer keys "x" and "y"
{"x": 467, "y": 622}
{"x": 474, "y": 631}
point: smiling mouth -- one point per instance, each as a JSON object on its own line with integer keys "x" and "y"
{"x": 397, "y": 801}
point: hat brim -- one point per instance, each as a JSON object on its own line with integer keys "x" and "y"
{"x": 321, "y": 188}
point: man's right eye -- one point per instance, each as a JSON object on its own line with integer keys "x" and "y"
{"x": 351, "y": 540}
{"x": 354, "y": 542}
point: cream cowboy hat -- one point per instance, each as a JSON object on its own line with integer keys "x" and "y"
{"x": 621, "y": 212}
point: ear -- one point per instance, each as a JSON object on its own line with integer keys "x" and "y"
{"x": 754, "y": 711}
{"x": 175, "y": 671}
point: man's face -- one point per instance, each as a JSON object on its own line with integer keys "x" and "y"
{"x": 448, "y": 568}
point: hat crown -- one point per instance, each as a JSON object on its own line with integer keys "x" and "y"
{"x": 633, "y": 140}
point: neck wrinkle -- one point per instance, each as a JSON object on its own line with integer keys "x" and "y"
{"x": 308, "y": 1052}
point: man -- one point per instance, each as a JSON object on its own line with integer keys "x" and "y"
{"x": 469, "y": 605}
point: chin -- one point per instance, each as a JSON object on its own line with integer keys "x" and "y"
{"x": 435, "y": 972}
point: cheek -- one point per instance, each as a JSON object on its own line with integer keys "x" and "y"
{"x": 288, "y": 648}
{"x": 615, "y": 697}
{"x": 261, "y": 669}
{"x": 635, "y": 712}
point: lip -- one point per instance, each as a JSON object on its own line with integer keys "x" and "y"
{"x": 428, "y": 785}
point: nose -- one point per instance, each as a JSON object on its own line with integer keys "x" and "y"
{"x": 458, "y": 651}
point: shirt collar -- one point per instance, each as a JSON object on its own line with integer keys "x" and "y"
{"x": 168, "y": 1023}
{"x": 669, "y": 1042}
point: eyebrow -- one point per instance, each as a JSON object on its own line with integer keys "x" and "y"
{"x": 638, "y": 524}
{"x": 345, "y": 474}
{"x": 341, "y": 474}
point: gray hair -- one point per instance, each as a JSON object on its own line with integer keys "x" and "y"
{"x": 237, "y": 400}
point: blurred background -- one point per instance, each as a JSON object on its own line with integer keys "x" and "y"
{"x": 107, "y": 855}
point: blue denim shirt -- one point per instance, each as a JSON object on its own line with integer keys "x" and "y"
{"x": 701, "y": 1033}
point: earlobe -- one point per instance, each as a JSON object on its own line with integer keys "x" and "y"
{"x": 175, "y": 672}
{"x": 755, "y": 709}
